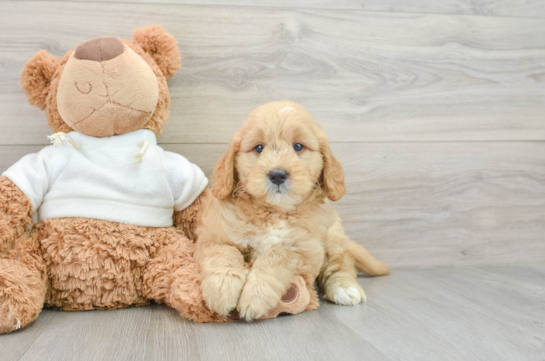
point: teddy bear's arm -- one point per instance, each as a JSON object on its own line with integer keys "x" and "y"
{"x": 15, "y": 213}
{"x": 189, "y": 218}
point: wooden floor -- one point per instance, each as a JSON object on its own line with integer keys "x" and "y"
{"x": 467, "y": 313}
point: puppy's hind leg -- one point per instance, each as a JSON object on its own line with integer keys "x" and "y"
{"x": 338, "y": 278}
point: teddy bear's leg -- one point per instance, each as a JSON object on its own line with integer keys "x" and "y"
{"x": 15, "y": 214}
{"x": 23, "y": 284}
{"x": 173, "y": 277}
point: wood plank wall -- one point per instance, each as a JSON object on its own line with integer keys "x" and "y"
{"x": 436, "y": 109}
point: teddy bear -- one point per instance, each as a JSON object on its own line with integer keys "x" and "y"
{"x": 105, "y": 218}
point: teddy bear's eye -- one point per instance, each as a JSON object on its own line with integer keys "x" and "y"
{"x": 84, "y": 87}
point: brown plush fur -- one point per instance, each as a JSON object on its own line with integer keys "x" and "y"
{"x": 36, "y": 77}
{"x": 17, "y": 215}
{"x": 153, "y": 40}
{"x": 23, "y": 284}
{"x": 95, "y": 264}
{"x": 283, "y": 232}
{"x": 82, "y": 264}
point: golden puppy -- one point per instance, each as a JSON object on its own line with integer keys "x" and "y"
{"x": 271, "y": 208}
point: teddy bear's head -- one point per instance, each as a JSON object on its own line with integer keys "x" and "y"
{"x": 105, "y": 86}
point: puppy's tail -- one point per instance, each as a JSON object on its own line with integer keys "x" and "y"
{"x": 365, "y": 262}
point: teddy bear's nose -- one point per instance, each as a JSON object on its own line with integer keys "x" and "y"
{"x": 101, "y": 49}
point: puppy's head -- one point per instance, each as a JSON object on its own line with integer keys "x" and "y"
{"x": 280, "y": 155}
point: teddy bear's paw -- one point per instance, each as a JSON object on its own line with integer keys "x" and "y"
{"x": 221, "y": 292}
{"x": 9, "y": 321}
{"x": 13, "y": 318}
{"x": 22, "y": 294}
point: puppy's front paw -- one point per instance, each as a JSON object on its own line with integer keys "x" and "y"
{"x": 221, "y": 292}
{"x": 257, "y": 299}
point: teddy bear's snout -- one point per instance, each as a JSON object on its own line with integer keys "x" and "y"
{"x": 101, "y": 49}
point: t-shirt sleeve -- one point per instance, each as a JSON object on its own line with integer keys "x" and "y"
{"x": 32, "y": 174}
{"x": 187, "y": 181}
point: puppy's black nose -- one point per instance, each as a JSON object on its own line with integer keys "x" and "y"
{"x": 278, "y": 176}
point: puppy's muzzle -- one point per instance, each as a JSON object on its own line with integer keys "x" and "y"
{"x": 278, "y": 177}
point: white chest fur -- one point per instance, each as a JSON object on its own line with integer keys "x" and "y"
{"x": 261, "y": 239}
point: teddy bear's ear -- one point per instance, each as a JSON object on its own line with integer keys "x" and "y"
{"x": 36, "y": 77}
{"x": 161, "y": 46}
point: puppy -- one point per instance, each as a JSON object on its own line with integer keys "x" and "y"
{"x": 271, "y": 217}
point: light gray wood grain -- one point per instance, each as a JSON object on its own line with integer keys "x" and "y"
{"x": 427, "y": 204}
{"x": 365, "y": 76}
{"x": 517, "y": 8}
{"x": 477, "y": 313}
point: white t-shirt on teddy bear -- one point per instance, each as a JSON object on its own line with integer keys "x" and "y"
{"x": 101, "y": 180}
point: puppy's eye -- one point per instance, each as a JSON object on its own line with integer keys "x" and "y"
{"x": 298, "y": 147}
{"x": 259, "y": 148}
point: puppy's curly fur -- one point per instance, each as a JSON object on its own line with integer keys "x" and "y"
{"x": 281, "y": 227}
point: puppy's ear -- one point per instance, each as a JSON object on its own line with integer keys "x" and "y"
{"x": 161, "y": 46}
{"x": 224, "y": 173}
{"x": 36, "y": 77}
{"x": 333, "y": 173}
